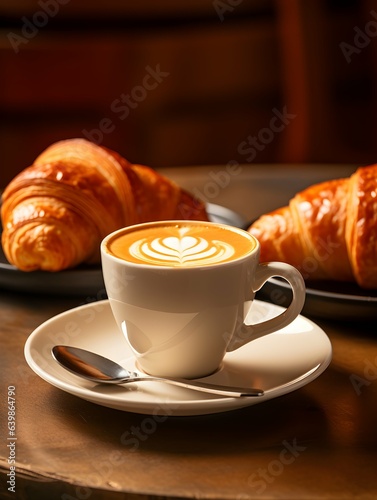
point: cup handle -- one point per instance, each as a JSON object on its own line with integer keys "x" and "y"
{"x": 265, "y": 271}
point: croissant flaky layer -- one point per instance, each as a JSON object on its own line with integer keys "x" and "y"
{"x": 56, "y": 212}
{"x": 328, "y": 231}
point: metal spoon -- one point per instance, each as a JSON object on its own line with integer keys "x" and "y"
{"x": 98, "y": 369}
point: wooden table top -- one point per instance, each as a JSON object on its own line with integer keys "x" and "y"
{"x": 318, "y": 442}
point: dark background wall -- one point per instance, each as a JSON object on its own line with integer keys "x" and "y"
{"x": 191, "y": 82}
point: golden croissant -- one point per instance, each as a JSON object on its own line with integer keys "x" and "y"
{"x": 328, "y": 231}
{"x": 56, "y": 212}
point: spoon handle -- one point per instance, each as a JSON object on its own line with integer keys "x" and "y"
{"x": 96, "y": 368}
{"x": 220, "y": 390}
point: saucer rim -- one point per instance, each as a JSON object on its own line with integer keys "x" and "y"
{"x": 194, "y": 406}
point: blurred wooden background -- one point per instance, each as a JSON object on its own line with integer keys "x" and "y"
{"x": 220, "y": 71}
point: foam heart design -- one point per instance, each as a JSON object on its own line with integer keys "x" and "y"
{"x": 181, "y": 247}
{"x": 181, "y": 250}
{"x": 180, "y": 244}
{"x": 177, "y": 249}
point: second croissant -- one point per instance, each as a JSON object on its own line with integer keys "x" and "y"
{"x": 328, "y": 231}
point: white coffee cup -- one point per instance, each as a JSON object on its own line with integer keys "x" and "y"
{"x": 180, "y": 292}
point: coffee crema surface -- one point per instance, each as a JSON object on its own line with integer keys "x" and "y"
{"x": 181, "y": 245}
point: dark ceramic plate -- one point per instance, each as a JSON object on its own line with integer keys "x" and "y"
{"x": 83, "y": 280}
{"x": 325, "y": 299}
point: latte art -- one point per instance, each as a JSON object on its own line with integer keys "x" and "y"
{"x": 180, "y": 245}
{"x": 181, "y": 250}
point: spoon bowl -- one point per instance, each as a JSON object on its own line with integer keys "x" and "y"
{"x": 99, "y": 369}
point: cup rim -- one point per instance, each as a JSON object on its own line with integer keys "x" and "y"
{"x": 105, "y": 252}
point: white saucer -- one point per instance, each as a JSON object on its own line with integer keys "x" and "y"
{"x": 295, "y": 356}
